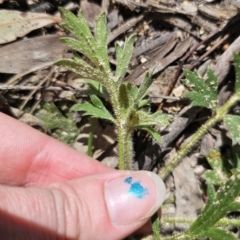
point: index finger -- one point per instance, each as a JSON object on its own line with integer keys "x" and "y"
{"x": 29, "y": 157}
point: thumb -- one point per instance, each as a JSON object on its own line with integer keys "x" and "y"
{"x": 106, "y": 206}
{"x": 114, "y": 205}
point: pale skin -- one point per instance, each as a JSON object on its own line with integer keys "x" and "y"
{"x": 50, "y": 191}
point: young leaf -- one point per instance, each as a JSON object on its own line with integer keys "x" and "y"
{"x": 132, "y": 92}
{"x": 97, "y": 88}
{"x": 153, "y": 133}
{"x": 233, "y": 124}
{"x": 91, "y": 110}
{"x": 155, "y": 226}
{"x": 123, "y": 58}
{"x": 143, "y": 103}
{"x": 78, "y": 26}
{"x": 101, "y": 39}
{"x": 144, "y": 85}
{"x": 124, "y": 97}
{"x": 97, "y": 102}
{"x": 204, "y": 93}
{"x": 236, "y": 60}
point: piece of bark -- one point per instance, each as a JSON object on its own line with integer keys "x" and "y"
{"x": 138, "y": 71}
{"x": 27, "y": 54}
{"x": 223, "y": 67}
{"x": 179, "y": 21}
{"x": 218, "y": 11}
{"x": 161, "y": 64}
{"x": 125, "y": 27}
{"x": 223, "y": 64}
{"x": 154, "y": 43}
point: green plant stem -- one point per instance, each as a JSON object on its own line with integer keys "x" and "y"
{"x": 124, "y": 147}
{"x": 221, "y": 112}
{"x": 121, "y": 146}
{"x": 124, "y": 136}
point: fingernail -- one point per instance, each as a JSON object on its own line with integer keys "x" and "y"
{"x": 134, "y": 196}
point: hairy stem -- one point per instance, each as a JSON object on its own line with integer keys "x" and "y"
{"x": 124, "y": 136}
{"x": 221, "y": 112}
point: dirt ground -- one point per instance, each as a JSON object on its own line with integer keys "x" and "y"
{"x": 171, "y": 35}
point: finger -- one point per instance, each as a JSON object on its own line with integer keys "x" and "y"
{"x": 105, "y": 206}
{"x": 29, "y": 157}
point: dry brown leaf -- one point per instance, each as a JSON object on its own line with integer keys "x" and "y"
{"x": 14, "y": 24}
{"x": 24, "y": 55}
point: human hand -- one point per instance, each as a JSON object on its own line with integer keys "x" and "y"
{"x": 50, "y": 191}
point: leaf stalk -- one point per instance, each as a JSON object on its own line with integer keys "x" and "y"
{"x": 220, "y": 113}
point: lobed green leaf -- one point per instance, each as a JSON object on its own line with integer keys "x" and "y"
{"x": 204, "y": 93}
{"x": 91, "y": 110}
{"x": 233, "y": 124}
{"x": 97, "y": 88}
{"x": 123, "y": 58}
{"x": 147, "y": 81}
{"x": 78, "y": 26}
{"x": 153, "y": 133}
{"x": 220, "y": 168}
{"x": 147, "y": 119}
{"x": 101, "y": 40}
{"x": 218, "y": 205}
{"x": 236, "y": 60}
{"x": 80, "y": 67}
{"x": 80, "y": 46}
{"x": 143, "y": 103}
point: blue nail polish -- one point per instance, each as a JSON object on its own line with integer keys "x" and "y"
{"x": 136, "y": 188}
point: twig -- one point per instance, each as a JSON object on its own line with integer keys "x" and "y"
{"x": 35, "y": 90}
{"x": 105, "y": 4}
{"x": 126, "y": 26}
{"x": 193, "y": 65}
{"x": 50, "y": 88}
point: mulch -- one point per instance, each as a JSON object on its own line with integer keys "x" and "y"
{"x": 171, "y": 36}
